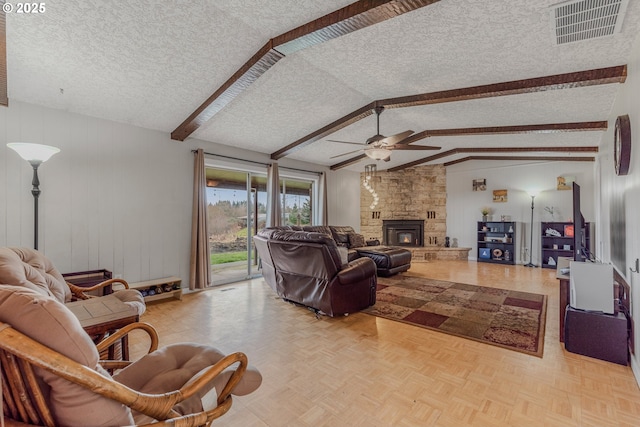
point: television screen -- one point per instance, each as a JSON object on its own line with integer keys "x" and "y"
{"x": 578, "y": 226}
{"x": 617, "y": 230}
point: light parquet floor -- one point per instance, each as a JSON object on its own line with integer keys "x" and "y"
{"x": 362, "y": 370}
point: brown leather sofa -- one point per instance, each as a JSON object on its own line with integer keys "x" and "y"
{"x": 306, "y": 268}
{"x": 389, "y": 260}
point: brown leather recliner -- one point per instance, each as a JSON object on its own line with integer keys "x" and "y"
{"x": 306, "y": 268}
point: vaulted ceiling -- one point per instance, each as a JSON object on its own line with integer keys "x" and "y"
{"x": 478, "y": 79}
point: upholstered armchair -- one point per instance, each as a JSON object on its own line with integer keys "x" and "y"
{"x": 51, "y": 373}
{"x": 32, "y": 269}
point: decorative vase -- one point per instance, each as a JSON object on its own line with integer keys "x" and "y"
{"x": 484, "y": 218}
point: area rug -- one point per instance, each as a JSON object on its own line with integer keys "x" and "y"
{"x": 511, "y": 319}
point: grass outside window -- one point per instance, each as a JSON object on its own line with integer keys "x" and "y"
{"x": 225, "y": 257}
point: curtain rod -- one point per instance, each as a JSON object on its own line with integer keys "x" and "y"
{"x": 257, "y": 163}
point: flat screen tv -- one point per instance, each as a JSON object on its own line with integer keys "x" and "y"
{"x": 579, "y": 246}
{"x": 617, "y": 228}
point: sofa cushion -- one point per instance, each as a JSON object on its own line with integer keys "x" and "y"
{"x": 133, "y": 298}
{"x": 340, "y": 234}
{"x": 49, "y": 322}
{"x": 356, "y": 240}
{"x": 29, "y": 268}
{"x": 318, "y": 229}
{"x": 172, "y": 366}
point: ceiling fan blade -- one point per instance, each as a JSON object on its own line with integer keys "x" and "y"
{"x": 344, "y": 154}
{"x": 393, "y": 139}
{"x": 414, "y": 147}
{"x": 346, "y": 142}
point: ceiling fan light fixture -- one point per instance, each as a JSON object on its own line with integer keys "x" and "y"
{"x": 378, "y": 153}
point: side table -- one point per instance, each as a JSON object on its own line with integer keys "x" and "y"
{"x": 103, "y": 315}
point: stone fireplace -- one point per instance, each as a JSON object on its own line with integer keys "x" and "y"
{"x": 403, "y": 232}
{"x": 416, "y": 192}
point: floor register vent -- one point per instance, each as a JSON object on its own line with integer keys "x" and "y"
{"x": 578, "y": 20}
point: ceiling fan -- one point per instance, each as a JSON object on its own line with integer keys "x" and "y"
{"x": 379, "y": 147}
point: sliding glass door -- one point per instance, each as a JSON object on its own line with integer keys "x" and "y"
{"x": 236, "y": 209}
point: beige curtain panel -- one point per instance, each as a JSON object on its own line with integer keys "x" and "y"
{"x": 323, "y": 219}
{"x": 274, "y": 211}
{"x": 200, "y": 270}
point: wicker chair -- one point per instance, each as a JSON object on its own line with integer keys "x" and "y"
{"x": 28, "y": 267}
{"x": 51, "y": 373}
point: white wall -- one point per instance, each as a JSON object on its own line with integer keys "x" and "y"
{"x": 113, "y": 197}
{"x": 117, "y": 197}
{"x": 463, "y": 204}
{"x": 344, "y": 199}
{"x": 626, "y": 103}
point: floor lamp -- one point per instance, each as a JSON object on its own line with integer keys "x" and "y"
{"x": 35, "y": 154}
{"x": 533, "y": 195}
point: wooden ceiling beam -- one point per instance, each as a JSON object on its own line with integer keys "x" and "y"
{"x": 522, "y": 129}
{"x": 600, "y": 76}
{"x": 617, "y": 74}
{"x": 353, "y": 17}
{"x": 264, "y": 59}
{"x": 343, "y": 21}
{"x": 584, "y": 149}
{"x": 497, "y": 130}
{"x": 348, "y": 162}
{"x": 511, "y": 158}
{"x": 342, "y": 122}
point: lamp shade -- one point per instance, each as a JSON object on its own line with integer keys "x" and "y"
{"x": 378, "y": 153}
{"x": 533, "y": 193}
{"x": 33, "y": 152}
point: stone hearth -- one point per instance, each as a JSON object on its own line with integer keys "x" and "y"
{"x": 439, "y": 253}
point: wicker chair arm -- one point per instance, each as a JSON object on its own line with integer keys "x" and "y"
{"x": 125, "y": 330}
{"x": 195, "y": 384}
{"x": 80, "y": 292}
{"x": 158, "y": 406}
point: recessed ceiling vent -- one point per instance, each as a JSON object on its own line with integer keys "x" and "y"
{"x": 578, "y": 20}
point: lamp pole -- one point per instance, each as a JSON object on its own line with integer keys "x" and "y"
{"x": 35, "y": 154}
{"x": 530, "y": 264}
{"x": 35, "y": 192}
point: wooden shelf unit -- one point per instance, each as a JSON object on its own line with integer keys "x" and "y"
{"x": 548, "y": 250}
{"x": 174, "y": 282}
{"x": 491, "y": 236}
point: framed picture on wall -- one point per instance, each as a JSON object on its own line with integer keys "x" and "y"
{"x": 499, "y": 196}
{"x": 480, "y": 184}
{"x": 565, "y": 182}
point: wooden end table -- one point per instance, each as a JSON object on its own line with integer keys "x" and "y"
{"x": 103, "y": 315}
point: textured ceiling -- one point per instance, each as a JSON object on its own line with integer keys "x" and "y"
{"x": 152, "y": 64}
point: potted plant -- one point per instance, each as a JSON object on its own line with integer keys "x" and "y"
{"x": 486, "y": 211}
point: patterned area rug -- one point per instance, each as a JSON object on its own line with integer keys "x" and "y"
{"x": 509, "y": 319}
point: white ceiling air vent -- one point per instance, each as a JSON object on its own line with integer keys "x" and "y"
{"x": 578, "y": 20}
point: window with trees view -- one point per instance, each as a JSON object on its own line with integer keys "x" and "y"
{"x": 236, "y": 210}
{"x": 296, "y": 201}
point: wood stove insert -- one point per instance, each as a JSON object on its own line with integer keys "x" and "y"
{"x": 403, "y": 232}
